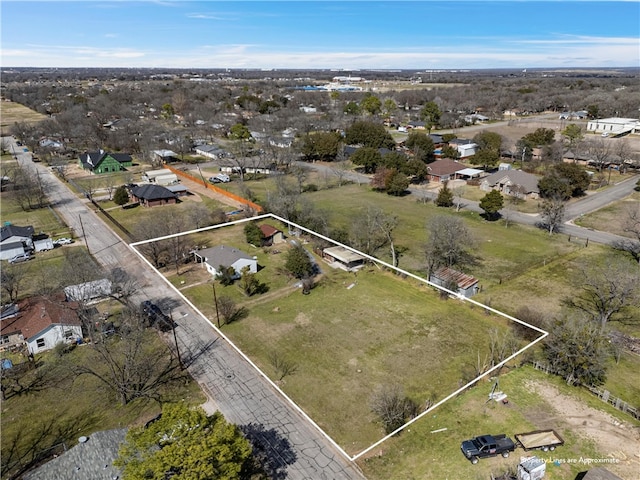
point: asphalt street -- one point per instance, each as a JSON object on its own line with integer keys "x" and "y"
{"x": 297, "y": 450}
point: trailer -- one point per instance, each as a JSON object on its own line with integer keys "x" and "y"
{"x": 544, "y": 440}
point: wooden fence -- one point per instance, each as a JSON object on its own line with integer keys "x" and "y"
{"x": 603, "y": 395}
{"x": 253, "y": 206}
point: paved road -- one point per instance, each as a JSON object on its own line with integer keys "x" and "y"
{"x": 296, "y": 449}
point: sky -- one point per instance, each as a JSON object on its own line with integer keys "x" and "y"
{"x": 349, "y": 35}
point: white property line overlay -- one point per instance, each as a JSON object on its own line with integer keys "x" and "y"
{"x": 373, "y": 259}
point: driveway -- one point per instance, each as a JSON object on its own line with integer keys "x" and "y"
{"x": 295, "y": 448}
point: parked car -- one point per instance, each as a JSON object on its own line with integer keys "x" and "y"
{"x": 63, "y": 241}
{"x": 155, "y": 316}
{"x": 21, "y": 257}
{"x": 220, "y": 178}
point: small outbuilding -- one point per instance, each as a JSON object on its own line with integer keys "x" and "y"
{"x": 341, "y": 257}
{"x": 463, "y": 284}
{"x": 271, "y": 235}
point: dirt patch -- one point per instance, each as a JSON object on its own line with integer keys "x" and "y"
{"x": 614, "y": 439}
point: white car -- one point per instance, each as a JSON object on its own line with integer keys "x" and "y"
{"x": 62, "y": 241}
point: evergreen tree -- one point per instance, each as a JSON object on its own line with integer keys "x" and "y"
{"x": 491, "y": 203}
{"x": 185, "y": 444}
{"x": 121, "y": 196}
{"x": 253, "y": 234}
{"x": 298, "y": 262}
{"x": 445, "y": 196}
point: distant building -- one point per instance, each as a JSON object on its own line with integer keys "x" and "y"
{"x": 614, "y": 126}
{"x": 340, "y": 257}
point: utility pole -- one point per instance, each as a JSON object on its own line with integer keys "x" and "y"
{"x": 215, "y": 301}
{"x": 86, "y": 242}
{"x": 175, "y": 339}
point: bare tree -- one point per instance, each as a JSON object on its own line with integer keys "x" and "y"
{"x": 631, "y": 226}
{"x": 371, "y": 230}
{"x": 300, "y": 173}
{"x": 392, "y": 407}
{"x": 448, "y": 243}
{"x": 340, "y": 170}
{"x": 282, "y": 365}
{"x": 600, "y": 151}
{"x": 552, "y": 212}
{"x": 228, "y": 309}
{"x": 607, "y": 291}
{"x": 458, "y": 196}
{"x": 130, "y": 364}
{"x": 12, "y": 278}
{"x": 30, "y": 188}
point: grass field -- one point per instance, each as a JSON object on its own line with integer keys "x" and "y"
{"x": 420, "y": 454}
{"x": 354, "y": 333}
{"x": 11, "y": 113}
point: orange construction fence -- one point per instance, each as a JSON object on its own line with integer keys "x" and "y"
{"x": 254, "y": 206}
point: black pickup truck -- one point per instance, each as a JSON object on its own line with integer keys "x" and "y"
{"x": 487, "y": 446}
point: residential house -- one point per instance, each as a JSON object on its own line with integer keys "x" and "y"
{"x": 103, "y": 162}
{"x": 469, "y": 174}
{"x": 165, "y": 156}
{"x": 580, "y": 115}
{"x": 41, "y": 323}
{"x": 224, "y": 256}
{"x": 271, "y": 235}
{"x": 50, "y": 143}
{"x": 512, "y": 182}
{"x": 92, "y": 457}
{"x": 89, "y": 292}
{"x": 463, "y": 284}
{"x": 443, "y": 170}
{"x": 341, "y": 257}
{"x": 151, "y": 195}
{"x": 476, "y": 118}
{"x": 15, "y": 240}
{"x": 211, "y": 151}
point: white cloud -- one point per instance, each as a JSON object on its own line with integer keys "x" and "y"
{"x": 584, "y": 52}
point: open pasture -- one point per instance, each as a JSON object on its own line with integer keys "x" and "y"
{"x": 354, "y": 334}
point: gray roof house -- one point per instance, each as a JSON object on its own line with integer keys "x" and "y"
{"x": 512, "y": 182}
{"x": 15, "y": 240}
{"x": 222, "y": 255}
{"x": 91, "y": 459}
